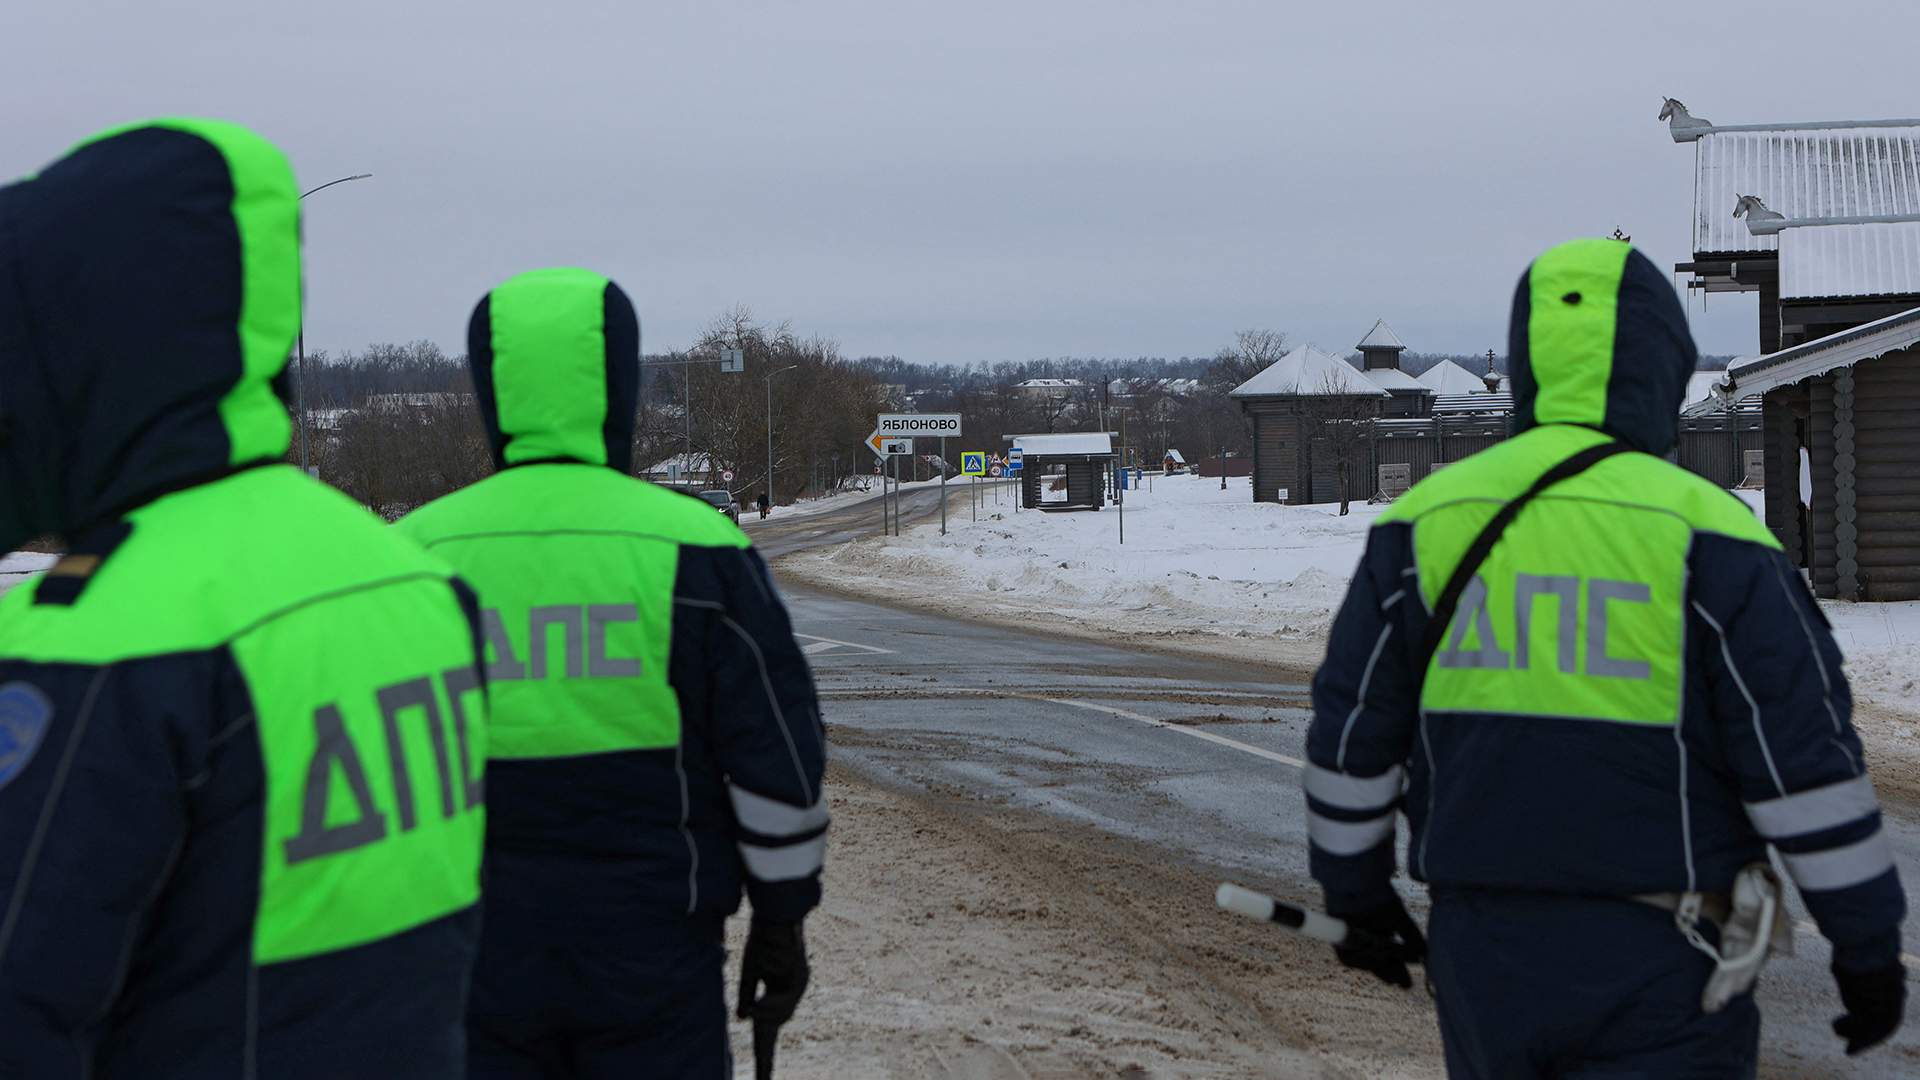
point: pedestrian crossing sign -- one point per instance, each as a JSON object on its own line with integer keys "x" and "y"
{"x": 973, "y": 463}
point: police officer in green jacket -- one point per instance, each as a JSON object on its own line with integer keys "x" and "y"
{"x": 241, "y": 722}
{"x": 656, "y": 740}
{"x": 1600, "y": 693}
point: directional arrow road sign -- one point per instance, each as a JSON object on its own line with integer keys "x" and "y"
{"x": 930, "y": 425}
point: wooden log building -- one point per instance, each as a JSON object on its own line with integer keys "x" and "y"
{"x": 1292, "y": 403}
{"x": 1822, "y": 220}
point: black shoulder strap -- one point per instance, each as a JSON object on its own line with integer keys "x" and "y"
{"x": 1482, "y": 545}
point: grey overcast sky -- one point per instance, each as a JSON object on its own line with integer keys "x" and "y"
{"x": 972, "y": 179}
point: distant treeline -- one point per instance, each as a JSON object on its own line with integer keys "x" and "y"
{"x": 345, "y": 380}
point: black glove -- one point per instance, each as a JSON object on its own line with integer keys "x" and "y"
{"x": 1874, "y": 1001}
{"x": 776, "y": 958}
{"x": 1388, "y": 942}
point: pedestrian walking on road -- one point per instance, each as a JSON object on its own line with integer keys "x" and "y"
{"x": 764, "y": 504}
{"x": 241, "y": 721}
{"x": 657, "y": 739}
{"x": 1599, "y": 692}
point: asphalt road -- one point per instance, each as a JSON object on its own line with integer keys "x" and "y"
{"x": 1198, "y": 756}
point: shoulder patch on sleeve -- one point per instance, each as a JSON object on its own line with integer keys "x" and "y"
{"x": 25, "y": 714}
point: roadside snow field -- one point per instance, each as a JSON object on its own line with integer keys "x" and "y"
{"x": 1198, "y": 564}
{"x": 1207, "y": 569}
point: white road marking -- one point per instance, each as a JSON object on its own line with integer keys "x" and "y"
{"x": 817, "y": 645}
{"x": 1198, "y": 733}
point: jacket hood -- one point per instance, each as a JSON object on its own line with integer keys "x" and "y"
{"x": 556, "y": 366}
{"x": 1598, "y": 338}
{"x": 149, "y": 295}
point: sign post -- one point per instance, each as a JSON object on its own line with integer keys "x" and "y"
{"x": 893, "y": 435}
{"x": 1016, "y": 468}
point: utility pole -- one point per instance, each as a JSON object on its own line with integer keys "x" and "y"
{"x": 770, "y": 376}
{"x": 300, "y": 339}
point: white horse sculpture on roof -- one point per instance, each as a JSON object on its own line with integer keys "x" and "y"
{"x": 1681, "y": 122}
{"x": 1758, "y": 217}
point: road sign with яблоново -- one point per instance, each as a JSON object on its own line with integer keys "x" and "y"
{"x": 973, "y": 463}
{"x": 930, "y": 425}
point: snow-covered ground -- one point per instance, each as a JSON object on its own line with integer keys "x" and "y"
{"x": 1199, "y": 564}
{"x": 1210, "y": 569}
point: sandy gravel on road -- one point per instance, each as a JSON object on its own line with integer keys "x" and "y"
{"x": 963, "y": 939}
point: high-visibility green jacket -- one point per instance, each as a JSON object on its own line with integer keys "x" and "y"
{"x": 241, "y": 722}
{"x": 656, "y": 739}
{"x": 1636, "y": 693}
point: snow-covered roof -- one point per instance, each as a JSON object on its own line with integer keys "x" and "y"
{"x": 1699, "y": 396}
{"x": 1481, "y": 402}
{"x": 1395, "y": 379}
{"x": 1876, "y": 259}
{"x": 1308, "y": 372}
{"x": 1801, "y": 171}
{"x": 1447, "y": 377}
{"x": 1049, "y": 384}
{"x": 1821, "y": 355}
{"x": 1174, "y": 456}
{"x": 1073, "y": 444}
{"x": 1381, "y": 337}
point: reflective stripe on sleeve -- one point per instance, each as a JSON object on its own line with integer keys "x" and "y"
{"x": 1842, "y": 867}
{"x": 1811, "y": 811}
{"x": 1350, "y": 792}
{"x": 1348, "y": 837}
{"x": 770, "y": 817}
{"x": 787, "y": 863}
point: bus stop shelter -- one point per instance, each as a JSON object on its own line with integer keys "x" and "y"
{"x": 1064, "y": 472}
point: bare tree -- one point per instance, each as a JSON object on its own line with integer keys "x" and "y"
{"x": 1252, "y": 352}
{"x": 1338, "y": 421}
{"x": 821, "y": 409}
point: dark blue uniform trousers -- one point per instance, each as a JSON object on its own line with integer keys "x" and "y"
{"x": 645, "y": 1003}
{"x": 1535, "y": 985}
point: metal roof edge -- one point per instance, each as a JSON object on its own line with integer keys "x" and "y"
{"x": 1692, "y": 134}
{"x": 1821, "y": 355}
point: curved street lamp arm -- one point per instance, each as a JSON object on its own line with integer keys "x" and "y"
{"x": 342, "y": 180}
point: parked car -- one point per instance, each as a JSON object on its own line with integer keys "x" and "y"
{"x": 723, "y": 502}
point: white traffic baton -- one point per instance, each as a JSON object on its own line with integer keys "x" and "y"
{"x": 1306, "y": 922}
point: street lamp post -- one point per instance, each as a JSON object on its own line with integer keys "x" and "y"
{"x": 770, "y": 376}
{"x": 300, "y": 382}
